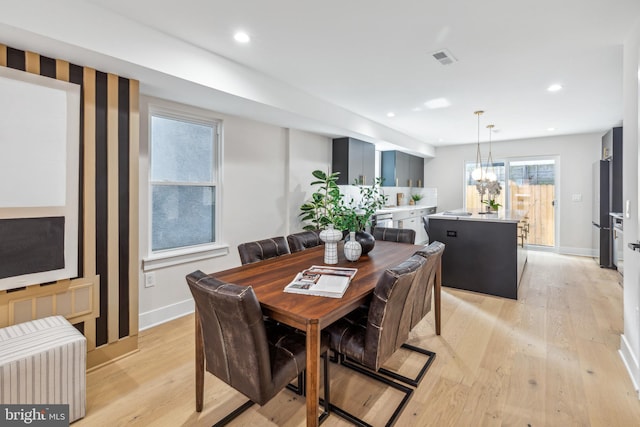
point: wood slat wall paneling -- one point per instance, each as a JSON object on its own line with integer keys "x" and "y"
{"x": 108, "y": 201}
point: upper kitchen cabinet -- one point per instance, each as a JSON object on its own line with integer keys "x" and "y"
{"x": 402, "y": 170}
{"x": 355, "y": 160}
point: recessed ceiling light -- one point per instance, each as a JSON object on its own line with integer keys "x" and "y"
{"x": 391, "y": 114}
{"x": 554, "y": 88}
{"x": 242, "y": 37}
{"x": 437, "y": 103}
{"x": 551, "y": 129}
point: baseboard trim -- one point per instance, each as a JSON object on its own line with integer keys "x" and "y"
{"x": 630, "y": 362}
{"x": 164, "y": 314}
{"x": 587, "y": 252}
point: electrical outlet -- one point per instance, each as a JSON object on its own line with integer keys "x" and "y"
{"x": 149, "y": 279}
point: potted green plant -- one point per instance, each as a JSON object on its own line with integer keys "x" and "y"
{"x": 415, "y": 198}
{"x": 492, "y": 204}
{"x": 324, "y": 207}
{"x": 356, "y": 215}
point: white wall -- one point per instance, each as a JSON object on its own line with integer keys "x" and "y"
{"x": 576, "y": 155}
{"x": 307, "y": 152}
{"x": 630, "y": 340}
{"x": 265, "y": 175}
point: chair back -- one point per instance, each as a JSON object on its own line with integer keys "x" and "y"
{"x": 425, "y": 224}
{"x": 389, "y": 317}
{"x": 303, "y": 240}
{"x": 260, "y": 250}
{"x": 235, "y": 340}
{"x": 399, "y": 235}
{"x": 425, "y": 281}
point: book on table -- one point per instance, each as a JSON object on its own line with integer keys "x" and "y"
{"x": 322, "y": 281}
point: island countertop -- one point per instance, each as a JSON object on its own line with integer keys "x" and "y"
{"x": 501, "y": 215}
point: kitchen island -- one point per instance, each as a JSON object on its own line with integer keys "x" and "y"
{"x": 483, "y": 252}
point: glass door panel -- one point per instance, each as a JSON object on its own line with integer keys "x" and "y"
{"x": 532, "y": 189}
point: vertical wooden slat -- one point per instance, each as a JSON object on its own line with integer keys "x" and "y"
{"x": 89, "y": 192}
{"x": 3, "y": 55}
{"x": 124, "y": 217}
{"x": 134, "y": 155}
{"x": 32, "y": 63}
{"x": 112, "y": 206}
{"x": 76, "y": 75}
{"x": 102, "y": 206}
{"x": 16, "y": 59}
{"x": 62, "y": 70}
{"x": 48, "y": 67}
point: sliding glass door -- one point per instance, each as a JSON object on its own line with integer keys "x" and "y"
{"x": 532, "y": 188}
{"x": 527, "y": 185}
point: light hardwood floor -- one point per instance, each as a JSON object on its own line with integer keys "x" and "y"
{"x": 548, "y": 359}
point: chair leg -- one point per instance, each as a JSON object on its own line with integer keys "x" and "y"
{"x": 199, "y": 363}
{"x": 226, "y": 420}
{"x": 326, "y": 404}
{"x": 299, "y": 389}
{"x": 407, "y": 380}
{"x": 358, "y": 368}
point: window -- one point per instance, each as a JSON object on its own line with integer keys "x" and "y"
{"x": 183, "y": 180}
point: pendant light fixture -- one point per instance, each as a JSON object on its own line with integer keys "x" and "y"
{"x": 477, "y": 174}
{"x": 490, "y": 174}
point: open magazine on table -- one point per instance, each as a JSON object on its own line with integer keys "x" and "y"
{"x": 322, "y": 281}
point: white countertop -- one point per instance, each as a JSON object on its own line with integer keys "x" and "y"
{"x": 500, "y": 216}
{"x": 391, "y": 209}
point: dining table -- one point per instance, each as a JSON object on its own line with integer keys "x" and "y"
{"x": 313, "y": 313}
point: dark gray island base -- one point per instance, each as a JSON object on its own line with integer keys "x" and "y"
{"x": 483, "y": 253}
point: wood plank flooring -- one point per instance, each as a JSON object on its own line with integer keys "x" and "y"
{"x": 548, "y": 359}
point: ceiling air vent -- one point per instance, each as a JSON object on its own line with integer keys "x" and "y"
{"x": 444, "y": 57}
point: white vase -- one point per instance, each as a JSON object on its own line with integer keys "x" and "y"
{"x": 330, "y": 237}
{"x": 352, "y": 249}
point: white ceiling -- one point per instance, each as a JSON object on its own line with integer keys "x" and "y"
{"x": 373, "y": 56}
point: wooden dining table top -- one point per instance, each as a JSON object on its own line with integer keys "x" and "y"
{"x": 269, "y": 277}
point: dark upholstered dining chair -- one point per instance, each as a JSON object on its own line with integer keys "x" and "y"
{"x": 424, "y": 281}
{"x": 370, "y": 337}
{"x": 425, "y": 224}
{"x": 303, "y": 240}
{"x": 422, "y": 304}
{"x": 259, "y": 250}
{"x": 400, "y": 235}
{"x": 258, "y": 358}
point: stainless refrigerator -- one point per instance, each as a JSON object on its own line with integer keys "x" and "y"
{"x": 600, "y": 217}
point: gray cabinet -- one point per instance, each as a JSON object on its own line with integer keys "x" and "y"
{"x": 355, "y": 160}
{"x": 402, "y": 170}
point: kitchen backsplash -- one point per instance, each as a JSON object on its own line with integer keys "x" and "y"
{"x": 430, "y": 194}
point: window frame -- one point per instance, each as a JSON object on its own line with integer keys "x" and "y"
{"x": 172, "y": 256}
